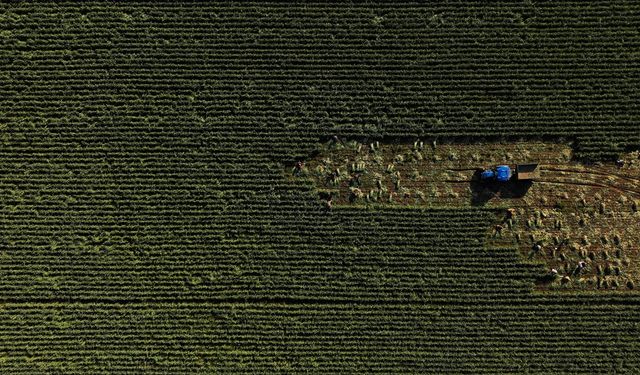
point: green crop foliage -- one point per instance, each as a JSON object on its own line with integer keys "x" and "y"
{"x": 146, "y": 225}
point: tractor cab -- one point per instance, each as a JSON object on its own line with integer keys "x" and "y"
{"x": 501, "y": 173}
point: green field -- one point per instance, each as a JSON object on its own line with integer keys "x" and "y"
{"x": 147, "y": 226}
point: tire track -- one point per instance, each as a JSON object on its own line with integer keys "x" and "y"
{"x": 593, "y": 184}
{"x": 598, "y": 172}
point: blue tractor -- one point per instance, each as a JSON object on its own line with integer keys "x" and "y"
{"x": 501, "y": 173}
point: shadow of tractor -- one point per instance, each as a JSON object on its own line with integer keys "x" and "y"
{"x": 484, "y": 191}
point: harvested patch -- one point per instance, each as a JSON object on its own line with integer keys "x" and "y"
{"x": 580, "y": 220}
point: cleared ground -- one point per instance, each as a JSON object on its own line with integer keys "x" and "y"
{"x": 579, "y": 219}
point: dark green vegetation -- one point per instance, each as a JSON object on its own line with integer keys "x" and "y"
{"x": 146, "y": 225}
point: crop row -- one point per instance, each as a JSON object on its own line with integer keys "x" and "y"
{"x": 304, "y": 71}
{"x": 216, "y": 263}
{"x": 182, "y": 338}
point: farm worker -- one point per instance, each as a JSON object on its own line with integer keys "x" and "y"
{"x": 355, "y": 180}
{"x": 498, "y": 229}
{"x": 620, "y": 163}
{"x": 581, "y": 266}
{"x": 552, "y": 275}
{"x": 329, "y": 204}
{"x": 511, "y": 213}
{"x": 298, "y": 168}
{"x": 537, "y": 247}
